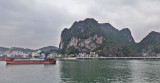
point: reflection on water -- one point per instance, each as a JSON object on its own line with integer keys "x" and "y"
{"x": 110, "y": 71}
{"x": 95, "y": 71}
{"x": 83, "y": 71}
{"x": 145, "y": 71}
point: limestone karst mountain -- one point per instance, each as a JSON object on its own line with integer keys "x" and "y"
{"x": 89, "y": 35}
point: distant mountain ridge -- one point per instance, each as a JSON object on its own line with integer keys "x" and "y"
{"x": 4, "y": 50}
{"x": 150, "y": 45}
{"x": 89, "y": 35}
{"x": 48, "y": 48}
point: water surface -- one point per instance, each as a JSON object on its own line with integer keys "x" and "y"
{"x": 83, "y": 71}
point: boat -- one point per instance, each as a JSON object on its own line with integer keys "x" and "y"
{"x": 30, "y": 61}
{"x": 5, "y": 59}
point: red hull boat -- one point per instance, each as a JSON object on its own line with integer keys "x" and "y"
{"x": 5, "y": 59}
{"x": 30, "y": 61}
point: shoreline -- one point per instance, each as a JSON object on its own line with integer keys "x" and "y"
{"x": 110, "y": 58}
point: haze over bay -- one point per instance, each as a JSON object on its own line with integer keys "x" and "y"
{"x": 38, "y": 23}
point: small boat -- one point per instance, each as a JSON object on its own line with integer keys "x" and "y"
{"x": 30, "y": 61}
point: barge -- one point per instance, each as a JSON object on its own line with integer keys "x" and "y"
{"x": 30, "y": 61}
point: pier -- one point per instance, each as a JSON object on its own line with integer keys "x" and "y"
{"x": 119, "y": 58}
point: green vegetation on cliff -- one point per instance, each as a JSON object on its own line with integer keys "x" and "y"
{"x": 86, "y": 36}
{"x": 151, "y": 40}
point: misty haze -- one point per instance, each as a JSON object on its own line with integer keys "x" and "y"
{"x": 71, "y": 41}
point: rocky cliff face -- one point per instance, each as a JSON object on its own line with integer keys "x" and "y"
{"x": 86, "y": 45}
{"x": 150, "y": 45}
{"x": 102, "y": 38}
{"x": 89, "y": 35}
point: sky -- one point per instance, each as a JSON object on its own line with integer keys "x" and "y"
{"x": 38, "y": 23}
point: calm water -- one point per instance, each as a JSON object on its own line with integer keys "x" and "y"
{"x": 83, "y": 71}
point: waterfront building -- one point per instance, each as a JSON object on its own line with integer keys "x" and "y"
{"x": 92, "y": 53}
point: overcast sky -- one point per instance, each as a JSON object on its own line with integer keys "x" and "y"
{"x": 37, "y": 23}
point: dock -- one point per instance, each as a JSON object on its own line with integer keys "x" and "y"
{"x": 119, "y": 58}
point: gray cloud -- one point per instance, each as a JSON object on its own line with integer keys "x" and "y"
{"x": 24, "y": 24}
{"x": 141, "y": 16}
{"x": 38, "y": 23}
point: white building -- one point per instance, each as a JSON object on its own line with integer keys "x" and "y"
{"x": 36, "y": 54}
